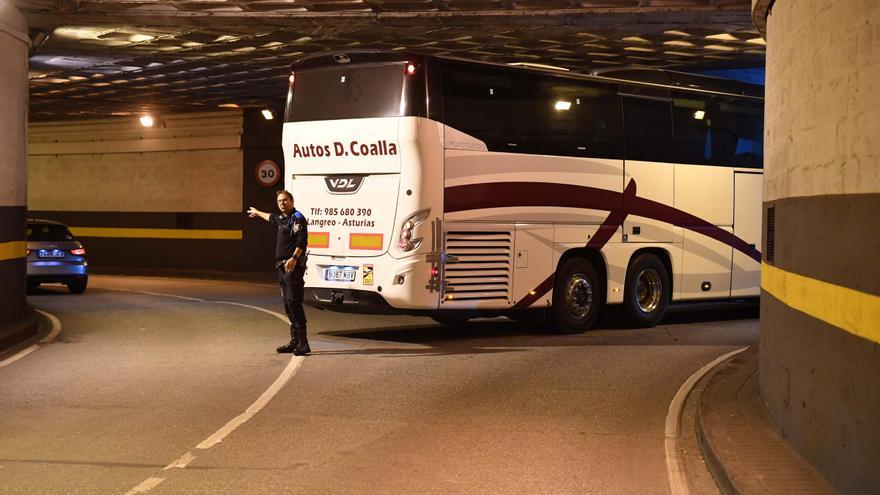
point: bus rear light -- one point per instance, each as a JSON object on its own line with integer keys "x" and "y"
{"x": 78, "y": 252}
{"x": 435, "y": 272}
{"x": 291, "y": 78}
{"x": 410, "y": 69}
{"x": 406, "y": 240}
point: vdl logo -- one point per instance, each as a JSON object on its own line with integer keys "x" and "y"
{"x": 344, "y": 184}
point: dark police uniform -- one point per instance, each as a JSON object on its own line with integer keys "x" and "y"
{"x": 292, "y": 233}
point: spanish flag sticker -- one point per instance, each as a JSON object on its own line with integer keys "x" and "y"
{"x": 368, "y": 274}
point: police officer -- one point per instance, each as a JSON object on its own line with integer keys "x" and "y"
{"x": 290, "y": 249}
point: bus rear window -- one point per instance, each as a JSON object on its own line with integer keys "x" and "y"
{"x": 349, "y": 92}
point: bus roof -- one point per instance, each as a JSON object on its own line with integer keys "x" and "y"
{"x": 630, "y": 76}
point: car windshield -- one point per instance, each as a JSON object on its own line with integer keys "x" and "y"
{"x": 37, "y": 232}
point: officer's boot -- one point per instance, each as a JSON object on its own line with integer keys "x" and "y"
{"x": 290, "y": 346}
{"x": 302, "y": 342}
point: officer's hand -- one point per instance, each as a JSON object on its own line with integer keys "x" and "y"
{"x": 288, "y": 266}
{"x": 252, "y": 212}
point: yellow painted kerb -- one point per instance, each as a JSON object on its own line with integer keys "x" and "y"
{"x": 851, "y": 310}
{"x": 120, "y": 233}
{"x": 13, "y": 250}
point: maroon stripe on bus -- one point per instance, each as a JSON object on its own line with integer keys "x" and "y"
{"x": 508, "y": 194}
{"x": 619, "y": 206}
{"x": 603, "y": 235}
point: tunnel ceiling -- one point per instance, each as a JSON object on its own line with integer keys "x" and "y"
{"x": 99, "y": 58}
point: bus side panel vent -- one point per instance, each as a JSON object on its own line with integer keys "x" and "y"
{"x": 481, "y": 271}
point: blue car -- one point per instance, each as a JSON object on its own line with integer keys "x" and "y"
{"x": 55, "y": 256}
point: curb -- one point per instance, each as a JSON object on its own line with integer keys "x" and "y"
{"x": 19, "y": 331}
{"x": 739, "y": 442}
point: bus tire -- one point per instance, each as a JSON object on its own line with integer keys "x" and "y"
{"x": 577, "y": 296}
{"x": 646, "y": 293}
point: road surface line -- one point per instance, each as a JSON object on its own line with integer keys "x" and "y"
{"x": 261, "y": 402}
{"x": 183, "y": 461}
{"x": 146, "y": 486}
{"x": 674, "y": 465}
{"x": 53, "y": 334}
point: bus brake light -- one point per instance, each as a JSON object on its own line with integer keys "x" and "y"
{"x": 410, "y": 69}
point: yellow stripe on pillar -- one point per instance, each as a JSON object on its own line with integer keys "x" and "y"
{"x": 13, "y": 250}
{"x": 121, "y": 233}
{"x": 848, "y": 309}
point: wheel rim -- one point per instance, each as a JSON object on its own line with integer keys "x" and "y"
{"x": 578, "y": 296}
{"x": 649, "y": 290}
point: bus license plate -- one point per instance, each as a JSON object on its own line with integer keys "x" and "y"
{"x": 340, "y": 274}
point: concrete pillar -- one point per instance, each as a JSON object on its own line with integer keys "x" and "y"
{"x": 14, "y": 45}
{"x": 820, "y": 305}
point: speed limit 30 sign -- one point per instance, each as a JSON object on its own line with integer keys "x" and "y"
{"x": 268, "y": 173}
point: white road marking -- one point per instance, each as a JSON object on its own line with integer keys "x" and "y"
{"x": 674, "y": 465}
{"x": 18, "y": 355}
{"x": 260, "y": 403}
{"x": 146, "y": 486}
{"x": 257, "y": 406}
{"x": 48, "y": 339}
{"x": 56, "y": 327}
{"x": 181, "y": 462}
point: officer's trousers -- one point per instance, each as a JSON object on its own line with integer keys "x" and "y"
{"x": 292, "y": 285}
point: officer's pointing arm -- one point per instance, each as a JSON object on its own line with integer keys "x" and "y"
{"x": 253, "y": 213}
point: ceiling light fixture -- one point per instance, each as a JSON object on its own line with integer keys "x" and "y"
{"x": 537, "y": 66}
{"x": 147, "y": 120}
{"x": 562, "y": 105}
{"x": 268, "y": 114}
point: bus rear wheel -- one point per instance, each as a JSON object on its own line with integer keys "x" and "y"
{"x": 646, "y": 293}
{"x": 577, "y": 296}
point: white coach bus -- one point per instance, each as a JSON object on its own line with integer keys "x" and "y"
{"x": 457, "y": 189}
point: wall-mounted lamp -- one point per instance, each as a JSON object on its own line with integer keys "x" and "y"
{"x": 147, "y": 120}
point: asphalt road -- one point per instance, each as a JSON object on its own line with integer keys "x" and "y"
{"x": 127, "y": 397}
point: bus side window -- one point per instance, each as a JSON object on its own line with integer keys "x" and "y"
{"x": 741, "y": 132}
{"x": 483, "y": 103}
{"x": 718, "y": 130}
{"x": 648, "y": 130}
{"x": 574, "y": 118}
{"x": 693, "y": 119}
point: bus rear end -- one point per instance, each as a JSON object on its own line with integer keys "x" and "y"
{"x": 365, "y": 168}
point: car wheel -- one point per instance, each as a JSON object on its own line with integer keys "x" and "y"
{"x": 646, "y": 293}
{"x": 77, "y": 286}
{"x": 577, "y": 296}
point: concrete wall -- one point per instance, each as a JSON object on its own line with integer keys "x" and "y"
{"x": 167, "y": 198}
{"x": 13, "y": 122}
{"x": 820, "y": 314}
